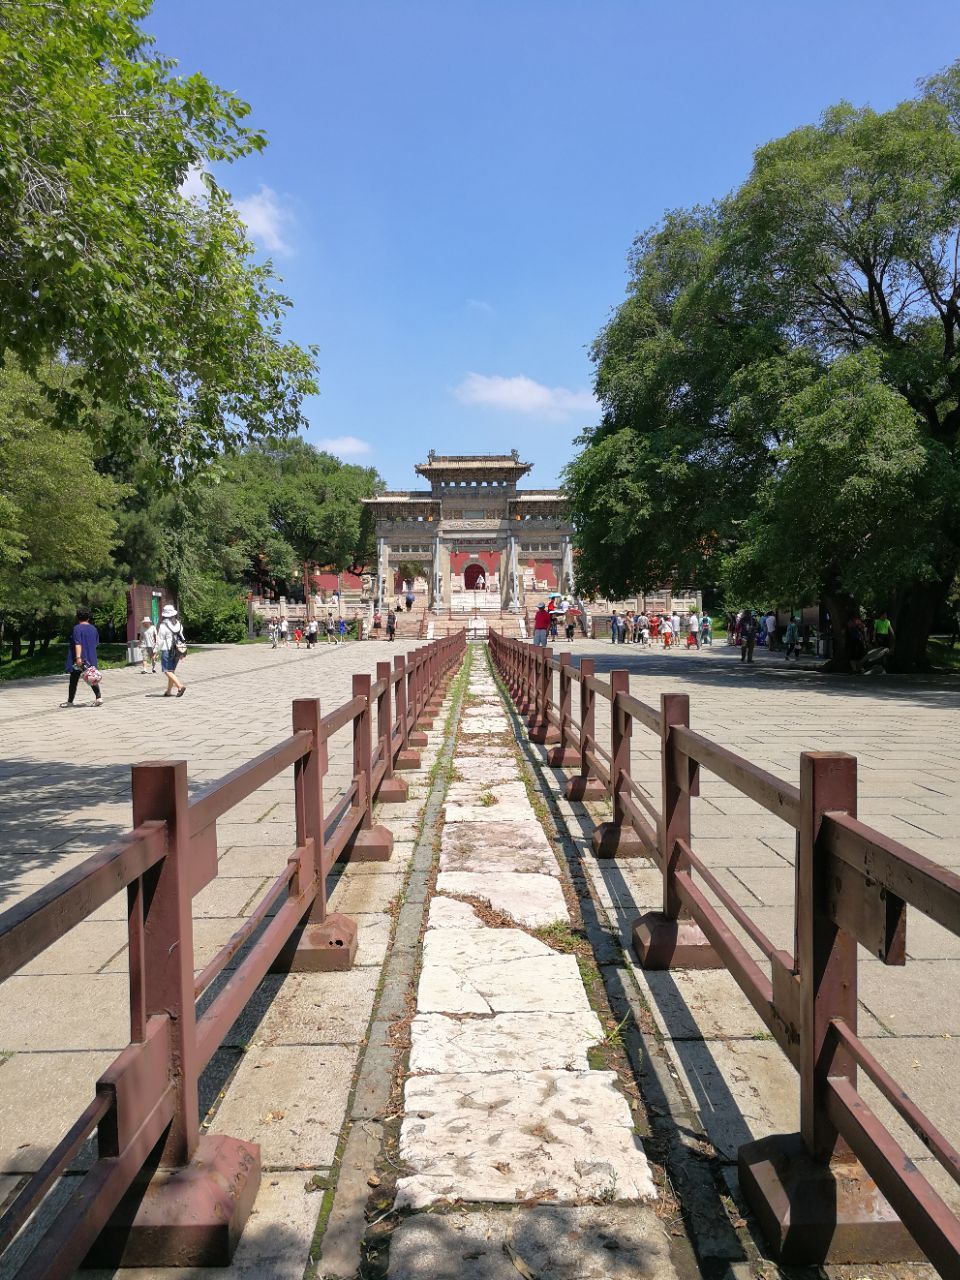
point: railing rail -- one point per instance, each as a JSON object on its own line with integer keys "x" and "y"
{"x": 853, "y": 885}
{"x": 146, "y": 1103}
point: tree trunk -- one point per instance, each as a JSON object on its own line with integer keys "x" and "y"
{"x": 45, "y": 644}
{"x": 842, "y": 608}
{"x": 914, "y": 620}
{"x": 16, "y": 645}
{"x": 32, "y": 644}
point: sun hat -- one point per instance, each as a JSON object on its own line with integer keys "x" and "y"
{"x": 148, "y": 621}
{"x": 169, "y": 611}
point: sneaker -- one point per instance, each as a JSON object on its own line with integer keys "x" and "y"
{"x": 66, "y": 704}
{"x": 98, "y": 702}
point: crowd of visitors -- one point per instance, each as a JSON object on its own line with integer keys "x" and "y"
{"x": 664, "y": 630}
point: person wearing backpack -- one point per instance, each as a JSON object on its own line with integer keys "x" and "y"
{"x": 173, "y": 646}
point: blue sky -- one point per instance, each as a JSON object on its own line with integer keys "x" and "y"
{"x": 451, "y": 188}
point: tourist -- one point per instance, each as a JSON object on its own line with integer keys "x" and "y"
{"x": 391, "y": 625}
{"x": 856, "y": 644}
{"x": 693, "y": 634}
{"x": 770, "y": 626}
{"x": 148, "y": 646}
{"x": 791, "y": 639}
{"x": 541, "y": 625}
{"x": 297, "y": 636}
{"x": 409, "y": 599}
{"x": 643, "y": 626}
{"x": 675, "y": 627}
{"x": 706, "y": 630}
{"x": 748, "y": 635}
{"x": 883, "y": 633}
{"x": 173, "y": 647}
{"x": 82, "y": 659}
{"x": 330, "y": 629}
{"x": 284, "y": 632}
{"x": 342, "y": 630}
{"x": 377, "y": 624}
{"x": 666, "y": 630}
{"x": 312, "y": 633}
{"x": 655, "y": 628}
{"x": 571, "y": 626}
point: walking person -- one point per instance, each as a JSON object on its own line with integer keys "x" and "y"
{"x": 331, "y": 629}
{"x": 541, "y": 625}
{"x": 666, "y": 631}
{"x": 748, "y": 635}
{"x": 148, "y": 646}
{"x": 391, "y": 625}
{"x": 770, "y": 623}
{"x": 284, "y": 632}
{"x": 173, "y": 646}
{"x": 342, "y": 630}
{"x": 311, "y": 633}
{"x": 693, "y": 637}
{"x": 791, "y": 640}
{"x": 614, "y": 627}
{"x": 82, "y": 658}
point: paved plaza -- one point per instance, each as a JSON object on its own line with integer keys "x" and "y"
{"x": 903, "y": 732}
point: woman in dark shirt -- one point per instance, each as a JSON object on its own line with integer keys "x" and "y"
{"x": 82, "y": 653}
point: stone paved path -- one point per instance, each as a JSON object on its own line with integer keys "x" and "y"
{"x": 501, "y": 1105}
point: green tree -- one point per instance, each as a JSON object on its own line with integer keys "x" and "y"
{"x": 57, "y": 527}
{"x": 103, "y": 260}
{"x": 843, "y": 240}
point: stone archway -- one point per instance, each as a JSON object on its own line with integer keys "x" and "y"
{"x": 473, "y": 575}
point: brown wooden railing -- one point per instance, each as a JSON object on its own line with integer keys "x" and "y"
{"x": 853, "y": 886}
{"x": 145, "y": 1108}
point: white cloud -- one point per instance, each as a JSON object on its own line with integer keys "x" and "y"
{"x": 193, "y": 186}
{"x": 344, "y": 446}
{"x": 478, "y": 304}
{"x": 523, "y": 395}
{"x": 268, "y": 221}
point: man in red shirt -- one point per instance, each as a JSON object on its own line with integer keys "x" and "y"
{"x": 541, "y": 625}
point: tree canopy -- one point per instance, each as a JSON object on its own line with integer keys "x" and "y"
{"x": 155, "y": 298}
{"x": 781, "y": 387}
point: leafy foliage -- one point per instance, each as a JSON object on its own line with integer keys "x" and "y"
{"x": 103, "y": 260}
{"x": 781, "y": 387}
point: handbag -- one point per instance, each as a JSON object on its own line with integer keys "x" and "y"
{"x": 91, "y": 675}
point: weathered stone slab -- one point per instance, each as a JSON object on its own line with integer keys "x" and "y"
{"x": 528, "y": 898}
{"x": 496, "y": 971}
{"x": 500, "y": 791}
{"x": 446, "y": 913}
{"x": 535, "y": 1041}
{"x": 592, "y": 1242}
{"x": 483, "y": 815}
{"x": 566, "y": 1136}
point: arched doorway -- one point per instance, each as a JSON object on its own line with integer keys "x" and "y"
{"x": 474, "y": 577}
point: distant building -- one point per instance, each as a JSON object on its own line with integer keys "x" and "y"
{"x": 474, "y": 530}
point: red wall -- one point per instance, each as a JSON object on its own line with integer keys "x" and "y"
{"x": 489, "y": 559}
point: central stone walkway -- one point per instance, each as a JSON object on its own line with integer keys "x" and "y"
{"x": 501, "y": 1106}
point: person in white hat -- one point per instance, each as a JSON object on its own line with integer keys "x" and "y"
{"x": 148, "y": 646}
{"x": 172, "y": 645}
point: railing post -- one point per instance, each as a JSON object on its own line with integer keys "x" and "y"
{"x": 566, "y": 754}
{"x": 584, "y": 787}
{"x": 370, "y": 843}
{"x": 542, "y": 731}
{"x": 407, "y": 757}
{"x": 811, "y": 1179}
{"x": 617, "y": 837}
{"x": 418, "y": 736}
{"x": 326, "y": 941}
{"x": 181, "y": 1217}
{"x": 665, "y": 939}
{"x": 393, "y": 790}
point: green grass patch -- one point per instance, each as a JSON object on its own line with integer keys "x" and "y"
{"x": 51, "y": 663}
{"x": 942, "y": 656}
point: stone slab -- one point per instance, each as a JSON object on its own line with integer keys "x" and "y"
{"x": 528, "y": 898}
{"x": 290, "y": 1099}
{"x": 307, "y": 1008}
{"x": 72, "y": 1011}
{"x": 501, "y": 1043}
{"x": 447, "y": 913}
{"x": 41, "y": 1096}
{"x": 596, "y": 1242}
{"x": 496, "y": 971}
{"x": 564, "y": 1136}
{"x": 518, "y": 810}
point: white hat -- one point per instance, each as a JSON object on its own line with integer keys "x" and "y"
{"x": 169, "y": 611}
{"x": 148, "y": 621}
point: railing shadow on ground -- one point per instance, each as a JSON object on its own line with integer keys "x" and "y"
{"x": 146, "y": 1108}
{"x": 816, "y": 1194}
